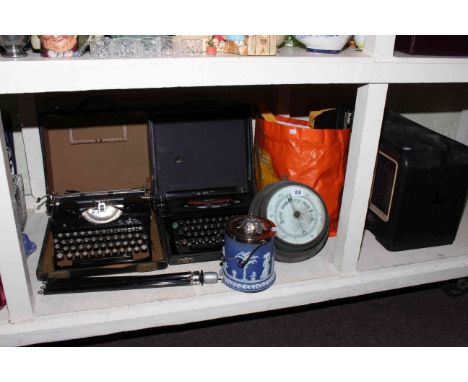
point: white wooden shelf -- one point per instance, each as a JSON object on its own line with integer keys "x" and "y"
{"x": 317, "y": 268}
{"x": 351, "y": 264}
{"x": 35, "y": 74}
{"x": 68, "y": 316}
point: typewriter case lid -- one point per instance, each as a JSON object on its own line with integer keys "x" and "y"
{"x": 95, "y": 152}
{"x": 200, "y": 150}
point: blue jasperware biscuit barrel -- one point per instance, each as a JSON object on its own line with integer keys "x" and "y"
{"x": 249, "y": 253}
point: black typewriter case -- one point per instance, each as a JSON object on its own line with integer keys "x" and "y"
{"x": 94, "y": 160}
{"x": 202, "y": 176}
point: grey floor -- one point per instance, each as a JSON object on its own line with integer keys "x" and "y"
{"x": 421, "y": 316}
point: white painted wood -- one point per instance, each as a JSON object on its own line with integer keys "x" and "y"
{"x": 33, "y": 148}
{"x": 163, "y": 312}
{"x": 291, "y": 66}
{"x": 462, "y": 131}
{"x": 15, "y": 277}
{"x": 367, "y": 123}
{"x": 380, "y": 47}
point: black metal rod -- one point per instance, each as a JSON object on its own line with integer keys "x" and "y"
{"x": 95, "y": 284}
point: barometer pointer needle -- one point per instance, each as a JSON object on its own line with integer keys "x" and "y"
{"x": 296, "y": 214}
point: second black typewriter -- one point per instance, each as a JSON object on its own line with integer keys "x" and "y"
{"x": 202, "y": 168}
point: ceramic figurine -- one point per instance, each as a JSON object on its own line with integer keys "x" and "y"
{"x": 59, "y": 46}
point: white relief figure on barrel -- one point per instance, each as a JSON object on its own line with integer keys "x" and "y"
{"x": 266, "y": 266}
{"x": 253, "y": 276}
{"x": 242, "y": 256}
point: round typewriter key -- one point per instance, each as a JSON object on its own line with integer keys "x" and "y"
{"x": 107, "y": 252}
{"x": 67, "y": 234}
{"x": 59, "y": 256}
{"x": 139, "y": 242}
{"x": 117, "y": 243}
{"x": 69, "y": 255}
{"x": 65, "y": 249}
{"x": 85, "y": 254}
{"x": 60, "y": 235}
{"x": 72, "y": 248}
{"x": 129, "y": 250}
{"x": 99, "y": 252}
{"x": 122, "y": 250}
{"x": 144, "y": 247}
{"x": 115, "y": 251}
{"x": 136, "y": 249}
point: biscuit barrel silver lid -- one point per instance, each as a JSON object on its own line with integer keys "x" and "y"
{"x": 250, "y": 229}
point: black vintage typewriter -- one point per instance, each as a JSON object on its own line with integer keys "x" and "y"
{"x": 99, "y": 196}
{"x": 101, "y": 228}
{"x": 202, "y": 170}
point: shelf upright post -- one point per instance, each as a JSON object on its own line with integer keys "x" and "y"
{"x": 368, "y": 115}
{"x": 13, "y": 267}
{"x": 367, "y": 123}
{"x": 462, "y": 131}
{"x": 32, "y": 147}
{"x": 380, "y": 47}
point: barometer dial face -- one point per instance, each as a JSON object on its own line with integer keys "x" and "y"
{"x": 299, "y": 214}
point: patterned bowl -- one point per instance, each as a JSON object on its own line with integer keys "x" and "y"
{"x": 323, "y": 43}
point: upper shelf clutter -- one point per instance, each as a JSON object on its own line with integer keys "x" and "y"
{"x": 289, "y": 65}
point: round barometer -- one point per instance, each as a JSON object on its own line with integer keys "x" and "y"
{"x": 300, "y": 216}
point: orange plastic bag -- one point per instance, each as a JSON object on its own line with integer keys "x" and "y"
{"x": 289, "y": 149}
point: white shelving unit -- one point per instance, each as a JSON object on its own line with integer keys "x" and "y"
{"x": 351, "y": 264}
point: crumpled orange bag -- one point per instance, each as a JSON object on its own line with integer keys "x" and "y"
{"x": 290, "y": 149}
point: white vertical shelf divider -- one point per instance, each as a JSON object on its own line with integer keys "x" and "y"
{"x": 32, "y": 146}
{"x": 13, "y": 268}
{"x": 368, "y": 115}
{"x": 462, "y": 131}
{"x": 367, "y": 123}
{"x": 380, "y": 47}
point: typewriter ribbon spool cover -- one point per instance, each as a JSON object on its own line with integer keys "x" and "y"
{"x": 97, "y": 161}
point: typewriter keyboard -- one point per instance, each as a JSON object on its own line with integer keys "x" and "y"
{"x": 100, "y": 246}
{"x": 197, "y": 234}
